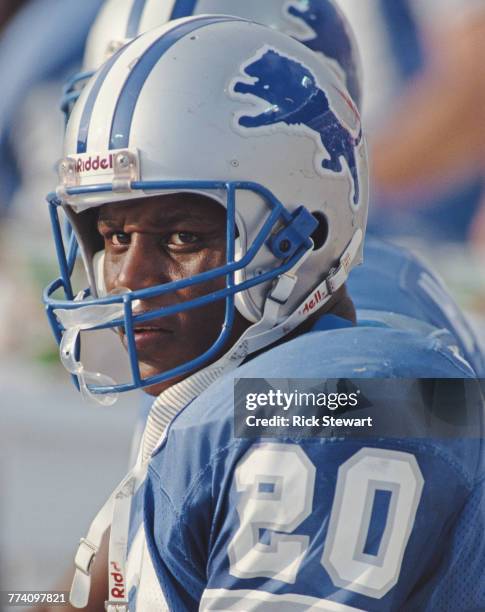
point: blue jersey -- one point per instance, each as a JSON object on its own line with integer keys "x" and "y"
{"x": 396, "y": 289}
{"x": 330, "y": 524}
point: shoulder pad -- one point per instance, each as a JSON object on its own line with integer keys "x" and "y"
{"x": 393, "y": 280}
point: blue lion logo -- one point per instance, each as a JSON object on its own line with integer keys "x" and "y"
{"x": 331, "y": 38}
{"x": 295, "y": 99}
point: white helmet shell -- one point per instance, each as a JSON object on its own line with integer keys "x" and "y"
{"x": 222, "y": 99}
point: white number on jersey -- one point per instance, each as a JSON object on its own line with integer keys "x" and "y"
{"x": 277, "y": 483}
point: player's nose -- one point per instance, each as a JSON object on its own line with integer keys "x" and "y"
{"x": 143, "y": 265}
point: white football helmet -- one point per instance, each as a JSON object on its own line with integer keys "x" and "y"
{"x": 246, "y": 116}
{"x": 319, "y": 24}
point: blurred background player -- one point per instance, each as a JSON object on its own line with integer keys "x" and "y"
{"x": 318, "y": 23}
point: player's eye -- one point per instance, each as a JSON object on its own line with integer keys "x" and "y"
{"x": 120, "y": 239}
{"x": 182, "y": 238}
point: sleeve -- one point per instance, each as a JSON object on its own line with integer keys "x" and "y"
{"x": 293, "y": 525}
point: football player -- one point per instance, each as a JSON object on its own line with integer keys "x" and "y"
{"x": 215, "y": 176}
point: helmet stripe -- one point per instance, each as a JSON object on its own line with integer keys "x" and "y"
{"x": 183, "y": 8}
{"x": 91, "y": 101}
{"x": 128, "y": 98}
{"x": 134, "y": 19}
{"x": 102, "y": 112}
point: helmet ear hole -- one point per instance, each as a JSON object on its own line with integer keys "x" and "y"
{"x": 320, "y": 235}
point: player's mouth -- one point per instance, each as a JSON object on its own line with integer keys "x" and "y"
{"x": 147, "y": 335}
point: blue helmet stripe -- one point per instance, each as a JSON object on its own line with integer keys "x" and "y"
{"x": 128, "y": 98}
{"x": 135, "y": 18}
{"x": 183, "y": 8}
{"x": 82, "y": 139}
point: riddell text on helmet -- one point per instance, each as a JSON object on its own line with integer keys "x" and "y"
{"x": 93, "y": 164}
{"x": 313, "y": 302}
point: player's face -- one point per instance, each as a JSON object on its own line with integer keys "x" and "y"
{"x": 159, "y": 240}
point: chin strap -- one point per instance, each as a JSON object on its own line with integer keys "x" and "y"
{"x": 116, "y": 510}
{"x": 74, "y": 322}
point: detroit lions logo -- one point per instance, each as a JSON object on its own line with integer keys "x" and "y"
{"x": 327, "y": 33}
{"x": 295, "y": 99}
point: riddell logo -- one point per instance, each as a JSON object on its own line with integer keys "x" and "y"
{"x": 94, "y": 164}
{"x": 118, "y": 590}
{"x": 313, "y": 302}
